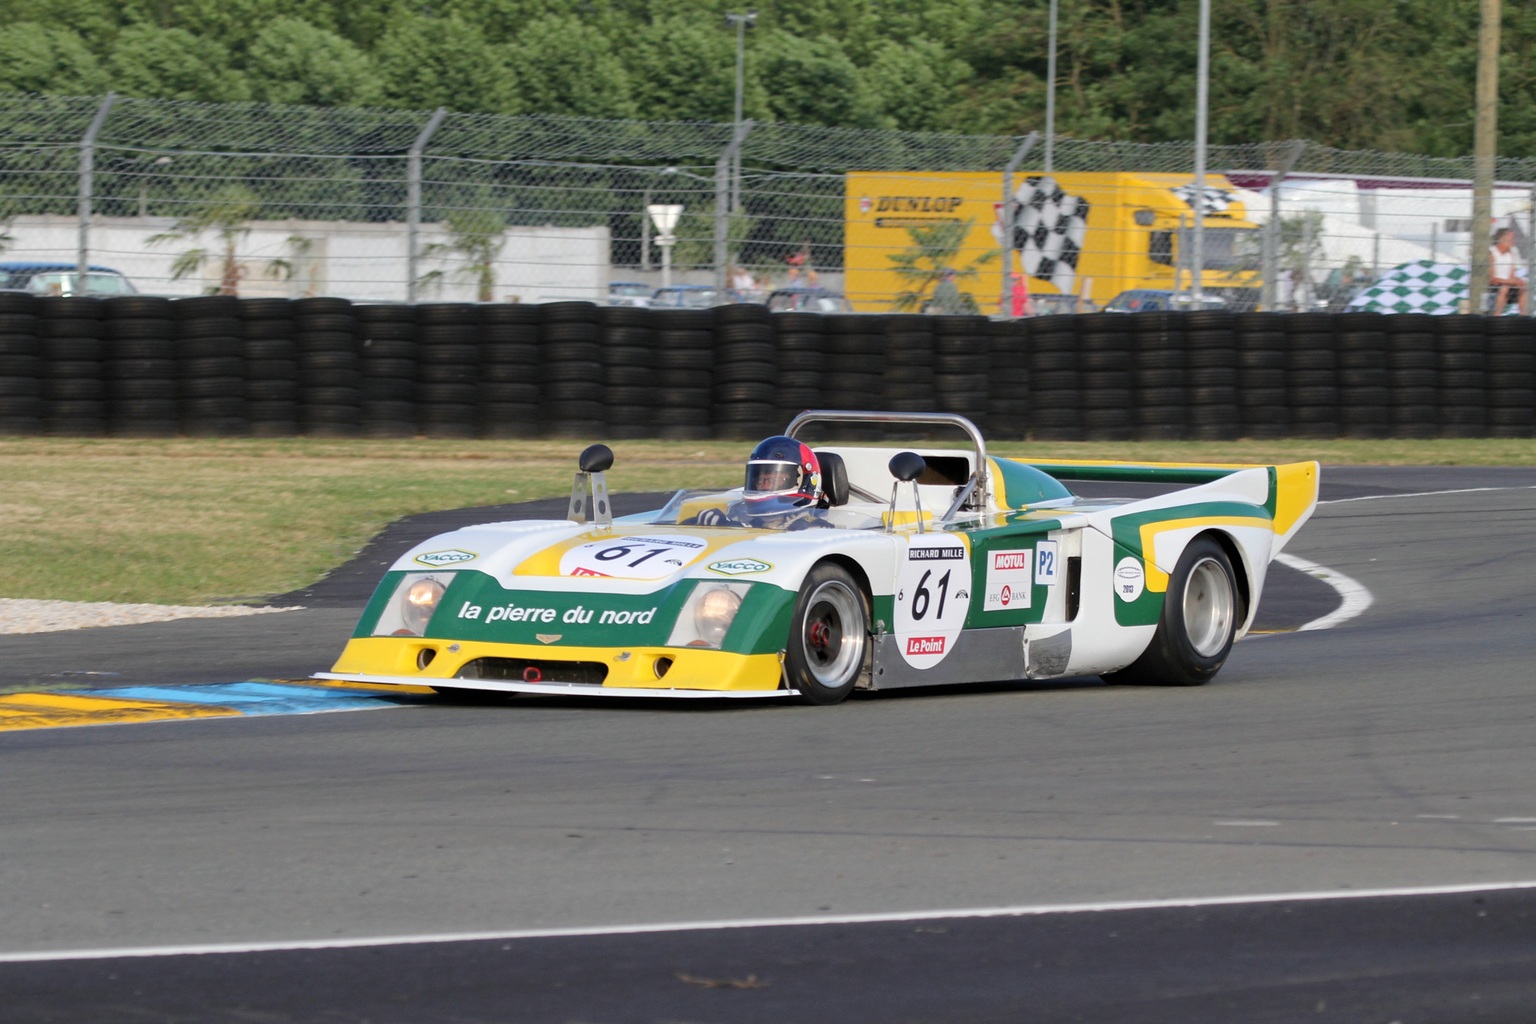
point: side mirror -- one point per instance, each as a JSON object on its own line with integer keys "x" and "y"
{"x": 906, "y": 467}
{"x": 594, "y": 461}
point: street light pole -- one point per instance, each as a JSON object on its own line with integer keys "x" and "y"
{"x": 1050, "y": 94}
{"x": 742, "y": 22}
{"x": 1202, "y": 102}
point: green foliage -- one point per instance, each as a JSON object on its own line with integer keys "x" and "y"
{"x": 927, "y": 265}
{"x": 568, "y": 67}
{"x": 226, "y": 214}
{"x": 41, "y": 58}
{"x": 689, "y": 72}
{"x": 444, "y": 62}
{"x": 293, "y": 62}
{"x": 476, "y": 238}
{"x": 174, "y": 64}
{"x": 812, "y": 81}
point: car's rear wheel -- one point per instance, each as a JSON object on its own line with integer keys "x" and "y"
{"x": 828, "y": 636}
{"x": 1197, "y": 625}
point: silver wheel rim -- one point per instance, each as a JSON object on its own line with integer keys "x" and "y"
{"x": 832, "y": 634}
{"x": 1209, "y": 607}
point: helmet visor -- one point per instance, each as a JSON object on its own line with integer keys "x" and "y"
{"x": 765, "y": 477}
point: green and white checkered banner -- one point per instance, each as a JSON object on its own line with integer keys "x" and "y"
{"x": 1418, "y": 287}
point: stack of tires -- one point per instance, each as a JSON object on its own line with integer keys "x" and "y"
{"x": 685, "y": 345}
{"x": 330, "y": 367}
{"x": 1511, "y": 377}
{"x": 1412, "y": 375}
{"x": 1160, "y": 388}
{"x": 746, "y": 372}
{"x": 800, "y": 344}
{"x": 629, "y": 370}
{"x": 388, "y": 369}
{"x": 141, "y": 367}
{"x": 21, "y": 365}
{"x": 1365, "y": 405}
{"x": 509, "y": 367}
{"x": 1104, "y": 365}
{"x": 1211, "y": 354}
{"x": 1055, "y": 387}
{"x": 448, "y": 369}
{"x": 1462, "y": 345}
{"x": 571, "y": 363}
{"x": 267, "y": 327}
{"x": 1008, "y": 379}
{"x": 73, "y": 351}
{"x": 909, "y": 383}
{"x": 1311, "y": 381}
{"x": 210, "y": 354}
{"x": 962, "y": 358}
{"x": 858, "y": 355}
{"x": 1261, "y": 375}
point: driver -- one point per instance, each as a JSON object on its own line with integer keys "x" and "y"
{"x": 782, "y": 490}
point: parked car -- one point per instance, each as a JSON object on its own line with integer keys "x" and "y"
{"x": 1154, "y": 300}
{"x": 807, "y": 300}
{"x": 687, "y": 296}
{"x": 63, "y": 279}
{"x": 1053, "y": 305}
{"x": 629, "y": 293}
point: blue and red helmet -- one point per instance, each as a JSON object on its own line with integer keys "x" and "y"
{"x": 781, "y": 467}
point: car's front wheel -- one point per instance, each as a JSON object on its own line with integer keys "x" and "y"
{"x": 1197, "y": 625}
{"x": 828, "y": 636}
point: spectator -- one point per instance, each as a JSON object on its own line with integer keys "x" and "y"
{"x": 1503, "y": 282}
{"x": 946, "y": 295}
{"x": 1019, "y": 303}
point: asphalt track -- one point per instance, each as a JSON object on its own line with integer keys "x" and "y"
{"x": 1273, "y": 847}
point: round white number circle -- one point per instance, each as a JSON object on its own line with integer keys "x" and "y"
{"x": 933, "y": 594}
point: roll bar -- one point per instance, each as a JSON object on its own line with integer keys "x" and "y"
{"x": 980, "y": 483}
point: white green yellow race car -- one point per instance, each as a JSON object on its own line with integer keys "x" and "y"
{"x": 918, "y": 567}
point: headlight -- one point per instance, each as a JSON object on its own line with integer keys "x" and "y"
{"x": 418, "y": 603}
{"x": 714, "y": 614}
{"x": 410, "y": 608}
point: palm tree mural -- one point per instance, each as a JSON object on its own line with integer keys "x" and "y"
{"x": 932, "y": 258}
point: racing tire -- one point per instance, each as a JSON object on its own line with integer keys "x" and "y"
{"x": 1197, "y": 626}
{"x": 828, "y": 636}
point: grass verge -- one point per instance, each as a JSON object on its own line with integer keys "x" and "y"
{"x": 232, "y": 520}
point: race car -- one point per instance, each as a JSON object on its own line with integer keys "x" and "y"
{"x": 837, "y": 568}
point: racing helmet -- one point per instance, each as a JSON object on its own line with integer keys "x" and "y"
{"x": 783, "y": 468}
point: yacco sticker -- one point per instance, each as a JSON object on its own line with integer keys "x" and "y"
{"x": 635, "y": 558}
{"x": 1010, "y": 578}
{"x": 1130, "y": 578}
{"x": 441, "y": 558}
{"x": 933, "y": 595}
{"x": 739, "y": 566}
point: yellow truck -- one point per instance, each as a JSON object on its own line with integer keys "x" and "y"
{"x": 1088, "y": 234}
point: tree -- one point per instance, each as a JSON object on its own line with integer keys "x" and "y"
{"x": 475, "y": 238}
{"x": 569, "y": 67}
{"x": 226, "y": 214}
{"x": 934, "y": 254}
{"x": 685, "y": 69}
{"x": 444, "y": 62}
{"x": 915, "y": 84}
{"x": 173, "y": 64}
{"x": 293, "y": 62}
{"x": 41, "y": 58}
{"x": 812, "y": 81}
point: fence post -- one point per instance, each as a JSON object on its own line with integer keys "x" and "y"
{"x": 413, "y": 200}
{"x": 1005, "y": 222}
{"x": 87, "y": 166}
{"x": 723, "y": 208}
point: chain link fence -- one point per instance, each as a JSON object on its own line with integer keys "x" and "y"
{"x": 388, "y": 205}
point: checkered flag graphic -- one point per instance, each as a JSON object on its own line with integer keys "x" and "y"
{"x": 1214, "y": 200}
{"x": 1419, "y": 287}
{"x": 1048, "y": 232}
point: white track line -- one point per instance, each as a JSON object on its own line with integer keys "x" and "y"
{"x": 766, "y": 922}
{"x": 1354, "y": 598}
{"x": 1427, "y": 494}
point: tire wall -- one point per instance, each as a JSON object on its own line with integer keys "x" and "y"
{"x": 145, "y": 366}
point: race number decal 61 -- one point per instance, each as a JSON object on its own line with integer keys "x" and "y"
{"x": 933, "y": 595}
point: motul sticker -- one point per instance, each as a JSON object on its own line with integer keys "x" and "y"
{"x": 1009, "y": 574}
